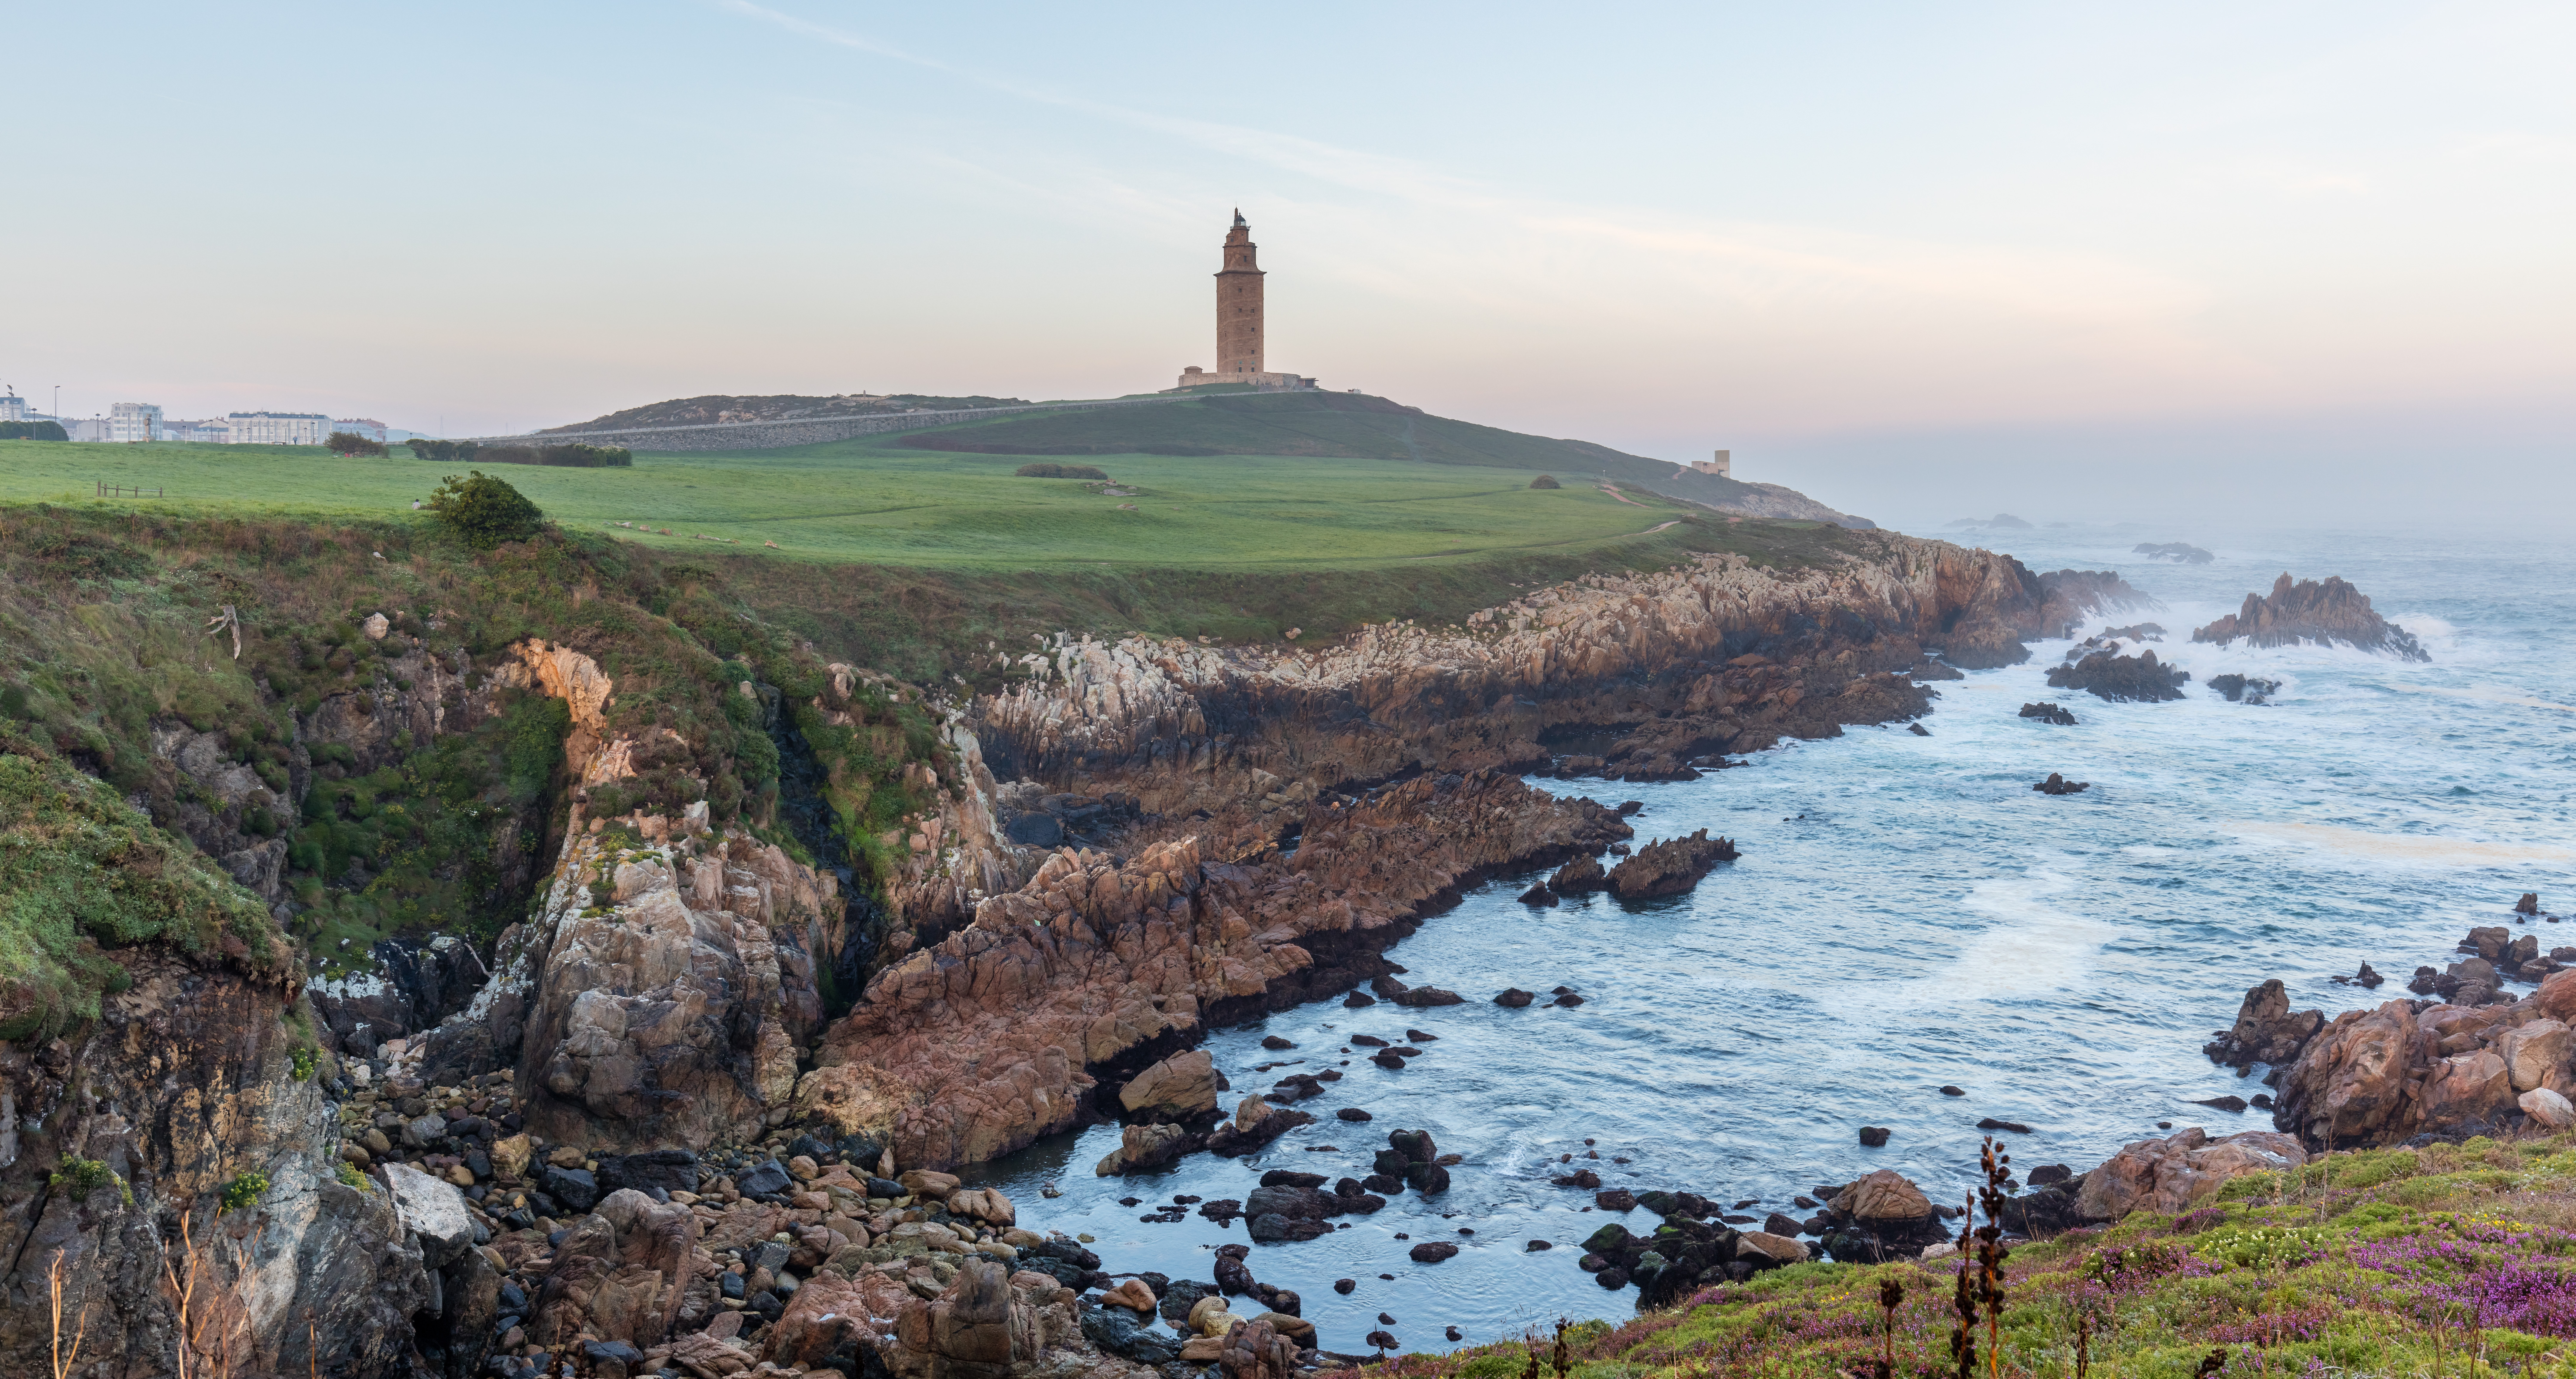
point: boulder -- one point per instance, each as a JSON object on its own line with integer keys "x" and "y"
{"x": 1132, "y": 1295}
{"x": 1256, "y": 1350}
{"x": 2468, "y": 1089}
{"x": 621, "y": 1273}
{"x": 1180, "y": 1086}
{"x": 434, "y": 1212}
{"x": 1515, "y": 998}
{"x": 2536, "y": 1054}
{"x": 922, "y": 1182}
{"x": 2354, "y": 1086}
{"x": 2547, "y": 1108}
{"x": 1143, "y": 1148}
{"x": 2266, "y": 1029}
{"x": 2181, "y": 1171}
{"x": 1885, "y": 1197}
{"x": 1766, "y": 1250}
{"x": 976, "y": 1329}
{"x": 2049, "y": 713}
{"x": 2108, "y": 675}
{"x": 1579, "y": 877}
{"x": 670, "y": 1170}
{"x": 1432, "y": 1252}
{"x": 2059, "y": 785}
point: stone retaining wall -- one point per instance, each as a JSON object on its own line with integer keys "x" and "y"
{"x": 771, "y": 435}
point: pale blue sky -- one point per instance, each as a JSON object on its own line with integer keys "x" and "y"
{"x": 1906, "y": 257}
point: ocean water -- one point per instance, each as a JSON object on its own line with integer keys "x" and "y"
{"x": 1908, "y": 912}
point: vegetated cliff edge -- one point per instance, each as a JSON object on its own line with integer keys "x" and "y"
{"x": 1098, "y": 966}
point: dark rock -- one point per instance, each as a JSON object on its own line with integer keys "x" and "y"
{"x": 1781, "y": 1223}
{"x": 2224, "y": 1103}
{"x": 1952, "y": 1091}
{"x": 1272, "y": 1041}
{"x": 1612, "y": 1278}
{"x": 1629, "y": 808}
{"x": 1382, "y": 1340}
{"x": 2109, "y": 675}
{"x": 2330, "y": 613}
{"x": 1428, "y": 1179}
{"x": 1416, "y": 1146}
{"x": 1388, "y": 1061}
{"x": 573, "y": 1187}
{"x": 1421, "y": 1036}
{"x": 671, "y": 1170}
{"x": 2060, "y": 785}
{"x": 1615, "y": 1199}
{"x": 1383, "y": 1182}
{"x": 1990, "y": 1123}
{"x": 1429, "y": 996}
{"x": 765, "y": 1177}
{"x": 1121, "y": 1332}
{"x": 1539, "y": 895}
{"x": 1353, "y": 1113}
{"x": 2243, "y": 689}
{"x": 884, "y": 1187}
{"x": 2262, "y": 1101}
{"x": 1873, "y": 1136}
{"x": 1368, "y": 1041}
{"x": 2175, "y": 551}
{"x": 1536, "y": 1245}
{"x": 1358, "y": 999}
{"x": 2529, "y": 904}
{"x": 2049, "y": 713}
{"x": 2046, "y": 1174}
{"x": 1345, "y": 1286}
{"x": 1432, "y": 1251}
{"x": 1455, "y": 1334}
{"x": 1582, "y": 1177}
{"x": 1568, "y": 999}
{"x": 1515, "y": 998}
{"x": 1280, "y": 1177}
{"x": 1918, "y": 730}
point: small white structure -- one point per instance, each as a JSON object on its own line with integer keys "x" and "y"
{"x": 14, "y": 408}
{"x": 86, "y": 429}
{"x": 1723, "y": 466}
{"x": 279, "y": 428}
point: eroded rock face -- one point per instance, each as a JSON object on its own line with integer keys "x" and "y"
{"x": 2181, "y": 1171}
{"x": 2332, "y": 613}
{"x": 2383, "y": 1076}
{"x": 2359, "y": 1082}
{"x": 969, "y": 1049}
{"x": 2109, "y": 675}
{"x": 2266, "y": 1029}
{"x": 1179, "y": 1087}
{"x": 184, "y": 1084}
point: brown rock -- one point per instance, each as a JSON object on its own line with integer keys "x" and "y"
{"x": 2266, "y": 1029}
{"x": 1884, "y": 1197}
{"x": 2180, "y": 1172}
{"x": 1132, "y": 1295}
{"x": 1180, "y": 1086}
{"x": 1762, "y": 1249}
{"x": 1256, "y": 1350}
{"x": 2536, "y": 1054}
{"x": 2358, "y": 1083}
{"x": 1671, "y": 866}
{"x": 2329, "y": 613}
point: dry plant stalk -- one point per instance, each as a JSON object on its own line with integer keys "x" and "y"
{"x": 62, "y": 1362}
{"x": 1991, "y": 1252}
{"x": 1563, "y": 1358}
{"x": 220, "y": 1311}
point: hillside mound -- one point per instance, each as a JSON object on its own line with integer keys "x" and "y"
{"x": 716, "y": 409}
{"x": 1350, "y": 426}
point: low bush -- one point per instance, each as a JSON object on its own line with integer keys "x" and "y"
{"x": 1045, "y": 470}
{"x": 484, "y": 512}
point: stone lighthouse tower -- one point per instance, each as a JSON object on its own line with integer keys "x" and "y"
{"x": 1238, "y": 305}
{"x": 1240, "y": 357}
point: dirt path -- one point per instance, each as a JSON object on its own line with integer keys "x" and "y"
{"x": 1659, "y": 526}
{"x": 1615, "y": 493}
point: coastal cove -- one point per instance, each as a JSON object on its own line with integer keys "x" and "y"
{"x": 1930, "y": 920}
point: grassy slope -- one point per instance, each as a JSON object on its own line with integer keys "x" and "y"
{"x": 2394, "y": 1262}
{"x": 854, "y": 501}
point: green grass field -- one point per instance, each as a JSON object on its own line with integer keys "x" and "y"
{"x": 874, "y": 502}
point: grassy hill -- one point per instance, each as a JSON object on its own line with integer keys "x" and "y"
{"x": 1318, "y": 424}
{"x": 716, "y": 408}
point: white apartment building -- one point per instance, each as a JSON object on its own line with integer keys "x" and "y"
{"x": 216, "y": 431}
{"x": 14, "y": 408}
{"x": 365, "y": 428}
{"x": 134, "y": 421}
{"x": 280, "y": 428}
{"x": 86, "y": 429}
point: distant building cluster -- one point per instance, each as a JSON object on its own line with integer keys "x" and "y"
{"x": 143, "y": 421}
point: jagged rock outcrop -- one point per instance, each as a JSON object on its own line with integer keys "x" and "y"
{"x": 2108, "y": 675}
{"x": 2180, "y": 1171}
{"x": 662, "y": 993}
{"x": 2266, "y": 1029}
{"x": 973, "y": 1047}
{"x": 2383, "y": 1076}
{"x": 1715, "y": 656}
{"x": 2331, "y": 613}
{"x": 185, "y": 1084}
{"x": 1669, "y": 866}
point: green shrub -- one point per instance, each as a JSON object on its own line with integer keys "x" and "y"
{"x": 80, "y": 1177}
{"x": 485, "y": 512}
{"x": 535, "y": 733}
{"x": 1545, "y": 481}
{"x": 13, "y": 702}
{"x": 244, "y": 1191}
{"x": 304, "y": 1061}
{"x": 1045, "y": 470}
{"x": 350, "y": 1177}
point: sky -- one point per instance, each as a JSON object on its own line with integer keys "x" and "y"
{"x": 2080, "y": 262}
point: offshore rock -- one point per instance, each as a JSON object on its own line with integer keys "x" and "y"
{"x": 2049, "y": 713}
{"x": 2118, "y": 678}
{"x": 2266, "y": 1029}
{"x": 1179, "y": 1087}
{"x": 2332, "y": 613}
{"x": 1670, "y": 866}
{"x": 976, "y": 1046}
